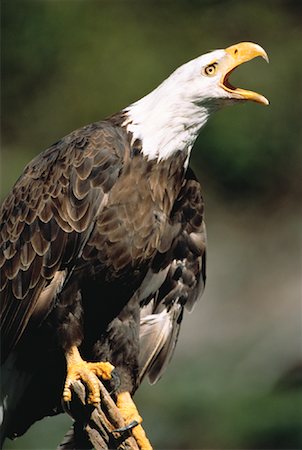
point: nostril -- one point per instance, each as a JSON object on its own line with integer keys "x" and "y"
{"x": 235, "y": 51}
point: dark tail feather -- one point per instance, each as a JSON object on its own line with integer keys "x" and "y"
{"x": 13, "y": 385}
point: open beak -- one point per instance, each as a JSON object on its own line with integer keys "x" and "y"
{"x": 237, "y": 55}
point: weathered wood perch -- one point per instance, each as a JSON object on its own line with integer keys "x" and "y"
{"x": 94, "y": 427}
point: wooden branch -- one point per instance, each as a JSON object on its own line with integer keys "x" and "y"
{"x": 94, "y": 427}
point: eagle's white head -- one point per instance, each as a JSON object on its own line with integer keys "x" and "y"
{"x": 170, "y": 117}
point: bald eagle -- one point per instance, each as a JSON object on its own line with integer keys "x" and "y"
{"x": 103, "y": 246}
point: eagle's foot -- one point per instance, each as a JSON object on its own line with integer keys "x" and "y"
{"x": 88, "y": 372}
{"x": 131, "y": 417}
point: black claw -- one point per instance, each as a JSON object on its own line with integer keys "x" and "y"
{"x": 127, "y": 427}
{"x": 66, "y": 406}
{"x": 115, "y": 382}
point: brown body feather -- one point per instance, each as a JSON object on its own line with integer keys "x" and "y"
{"x": 88, "y": 221}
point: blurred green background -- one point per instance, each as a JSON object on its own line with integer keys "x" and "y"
{"x": 235, "y": 380}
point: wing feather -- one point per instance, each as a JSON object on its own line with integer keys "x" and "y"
{"x": 185, "y": 262}
{"x": 49, "y": 215}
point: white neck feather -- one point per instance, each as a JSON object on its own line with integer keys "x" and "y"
{"x": 166, "y": 120}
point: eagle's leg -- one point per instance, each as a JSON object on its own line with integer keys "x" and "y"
{"x": 131, "y": 417}
{"x": 88, "y": 372}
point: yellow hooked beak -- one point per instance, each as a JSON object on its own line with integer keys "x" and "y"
{"x": 237, "y": 55}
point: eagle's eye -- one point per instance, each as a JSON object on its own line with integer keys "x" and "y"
{"x": 210, "y": 70}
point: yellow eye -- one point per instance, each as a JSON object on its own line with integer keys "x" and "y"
{"x": 210, "y": 70}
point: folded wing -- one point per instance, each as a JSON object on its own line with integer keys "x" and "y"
{"x": 184, "y": 266}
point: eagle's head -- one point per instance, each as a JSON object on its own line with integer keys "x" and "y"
{"x": 170, "y": 117}
{"x": 206, "y": 78}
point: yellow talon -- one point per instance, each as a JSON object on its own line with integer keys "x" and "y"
{"x": 88, "y": 372}
{"x": 130, "y": 414}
